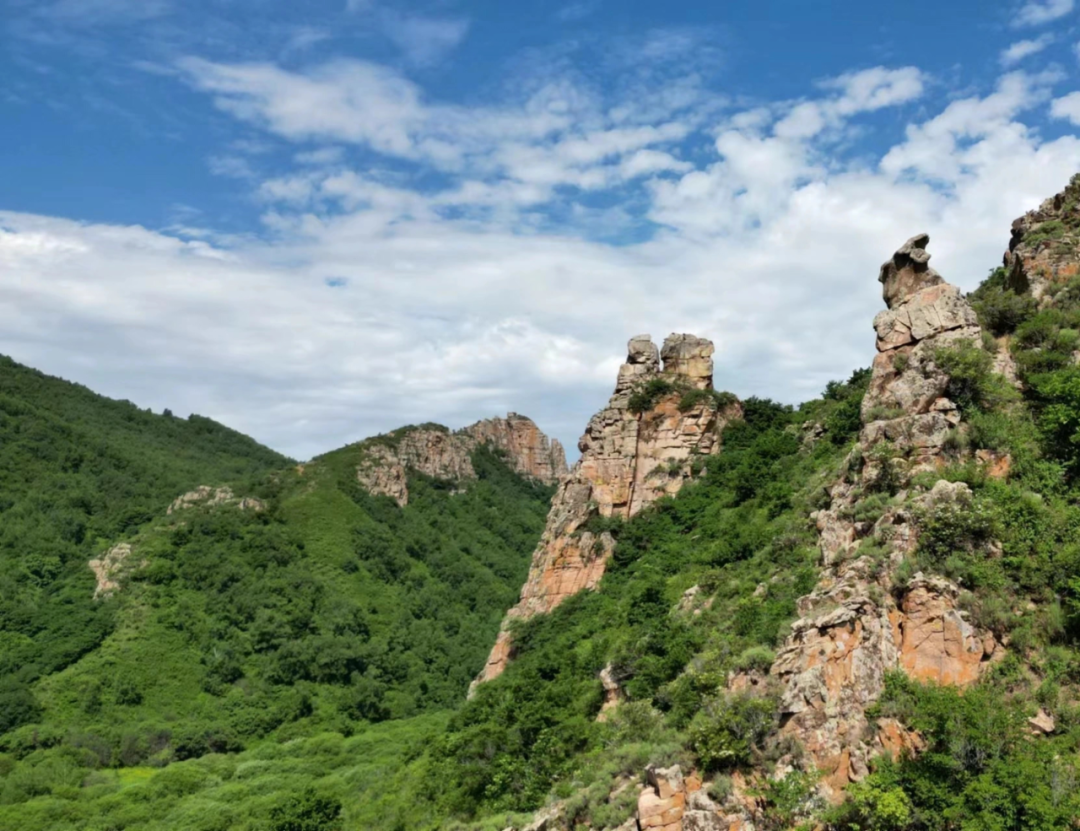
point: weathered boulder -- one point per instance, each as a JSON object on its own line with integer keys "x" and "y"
{"x": 907, "y": 271}
{"x": 629, "y": 459}
{"x": 206, "y": 495}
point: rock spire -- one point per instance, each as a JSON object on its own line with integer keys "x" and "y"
{"x": 640, "y": 447}
{"x": 859, "y": 622}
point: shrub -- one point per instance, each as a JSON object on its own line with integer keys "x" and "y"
{"x": 645, "y": 396}
{"x": 730, "y": 730}
{"x": 1001, "y": 310}
{"x": 972, "y": 385}
{"x": 758, "y": 658}
{"x": 720, "y": 400}
{"x": 307, "y": 811}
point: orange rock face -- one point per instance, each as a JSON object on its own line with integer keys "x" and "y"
{"x": 435, "y": 451}
{"x": 529, "y": 451}
{"x": 936, "y": 643}
{"x": 628, "y": 461}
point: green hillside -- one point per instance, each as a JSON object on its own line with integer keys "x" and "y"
{"x": 325, "y": 609}
{"x": 78, "y": 471}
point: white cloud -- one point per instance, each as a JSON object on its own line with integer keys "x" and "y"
{"x": 1016, "y": 52}
{"x": 424, "y": 40}
{"x": 1067, "y": 107}
{"x": 369, "y": 304}
{"x": 1038, "y": 12}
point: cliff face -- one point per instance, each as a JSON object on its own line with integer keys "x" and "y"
{"x": 861, "y": 621}
{"x": 435, "y": 451}
{"x": 1044, "y": 252}
{"x": 528, "y": 450}
{"x": 640, "y": 447}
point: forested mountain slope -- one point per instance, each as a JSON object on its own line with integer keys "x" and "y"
{"x": 280, "y": 600}
{"x": 859, "y": 613}
{"x": 77, "y": 471}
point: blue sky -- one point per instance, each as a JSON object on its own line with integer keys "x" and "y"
{"x": 317, "y": 221}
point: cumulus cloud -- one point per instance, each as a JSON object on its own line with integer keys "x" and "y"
{"x": 1022, "y": 49}
{"x": 1038, "y": 12}
{"x": 1067, "y": 107}
{"x": 370, "y": 303}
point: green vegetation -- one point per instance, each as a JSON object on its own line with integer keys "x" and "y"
{"x": 328, "y": 610}
{"x": 78, "y": 471}
{"x": 646, "y": 395}
{"x": 981, "y": 767}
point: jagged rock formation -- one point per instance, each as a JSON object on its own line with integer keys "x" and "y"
{"x": 640, "y": 447}
{"x": 858, "y": 624}
{"x": 435, "y": 451}
{"x": 528, "y": 450}
{"x": 1044, "y": 252}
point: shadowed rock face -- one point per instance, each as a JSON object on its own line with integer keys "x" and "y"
{"x": 857, "y": 625}
{"x": 1044, "y": 251}
{"x": 628, "y": 461}
{"x": 444, "y": 455}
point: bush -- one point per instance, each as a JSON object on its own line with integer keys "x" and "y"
{"x": 645, "y": 396}
{"x": 307, "y": 811}
{"x": 693, "y": 398}
{"x": 1001, "y": 309}
{"x": 972, "y": 384}
{"x": 730, "y": 731}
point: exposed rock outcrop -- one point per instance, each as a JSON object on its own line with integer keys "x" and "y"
{"x": 206, "y": 495}
{"x": 108, "y": 568}
{"x": 528, "y": 450}
{"x": 435, "y": 451}
{"x": 1044, "y": 252}
{"x": 643, "y": 445}
{"x": 858, "y": 624}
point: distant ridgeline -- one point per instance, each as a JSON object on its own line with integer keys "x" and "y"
{"x": 860, "y": 614}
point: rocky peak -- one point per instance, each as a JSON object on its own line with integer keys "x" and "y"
{"x": 433, "y": 450}
{"x": 630, "y": 457}
{"x": 907, "y": 271}
{"x": 859, "y": 623}
{"x": 689, "y": 357}
{"x": 1044, "y": 251}
{"x": 527, "y": 449}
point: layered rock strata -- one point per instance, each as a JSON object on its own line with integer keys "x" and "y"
{"x": 435, "y": 451}
{"x": 1044, "y": 251}
{"x": 858, "y": 624}
{"x": 640, "y": 447}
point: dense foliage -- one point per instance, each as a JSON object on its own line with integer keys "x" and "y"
{"x": 328, "y": 609}
{"x": 78, "y": 471}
